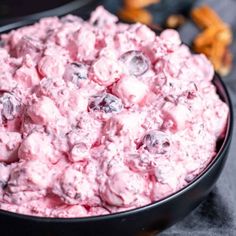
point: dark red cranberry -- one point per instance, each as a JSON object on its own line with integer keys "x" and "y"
{"x": 136, "y": 62}
{"x": 2, "y": 43}
{"x": 10, "y": 106}
{"x": 105, "y": 102}
{"x": 28, "y": 45}
{"x": 75, "y": 72}
{"x": 156, "y": 142}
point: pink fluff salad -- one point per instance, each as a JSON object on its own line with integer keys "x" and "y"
{"x": 99, "y": 117}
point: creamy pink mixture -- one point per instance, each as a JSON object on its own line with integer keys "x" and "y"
{"x": 99, "y": 117}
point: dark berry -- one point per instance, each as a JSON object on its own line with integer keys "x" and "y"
{"x": 9, "y": 106}
{"x": 95, "y": 23}
{"x": 189, "y": 177}
{"x": 3, "y": 184}
{"x": 2, "y": 43}
{"x": 156, "y": 142}
{"x": 75, "y": 72}
{"x": 136, "y": 62}
{"x": 105, "y": 102}
{"x": 192, "y": 92}
{"x": 28, "y": 45}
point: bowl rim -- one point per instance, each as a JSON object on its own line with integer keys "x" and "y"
{"x": 60, "y": 10}
{"x": 224, "y": 94}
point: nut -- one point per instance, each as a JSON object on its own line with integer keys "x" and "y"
{"x": 133, "y": 15}
{"x": 214, "y": 40}
{"x": 175, "y": 21}
{"x": 137, "y": 4}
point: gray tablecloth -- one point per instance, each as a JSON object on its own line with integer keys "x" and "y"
{"x": 217, "y": 215}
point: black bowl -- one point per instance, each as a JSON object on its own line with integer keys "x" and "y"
{"x": 142, "y": 221}
{"x": 18, "y": 10}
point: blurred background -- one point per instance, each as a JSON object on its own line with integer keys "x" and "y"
{"x": 217, "y": 215}
{"x": 16, "y": 8}
{"x": 157, "y": 14}
{"x": 12, "y": 9}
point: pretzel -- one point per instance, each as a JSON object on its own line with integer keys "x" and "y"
{"x": 134, "y": 15}
{"x": 204, "y": 17}
{"x": 214, "y": 40}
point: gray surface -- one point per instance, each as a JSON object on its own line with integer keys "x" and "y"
{"x": 217, "y": 215}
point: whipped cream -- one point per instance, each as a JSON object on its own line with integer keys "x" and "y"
{"x": 98, "y": 116}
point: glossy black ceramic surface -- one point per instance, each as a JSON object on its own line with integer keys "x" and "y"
{"x": 19, "y": 10}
